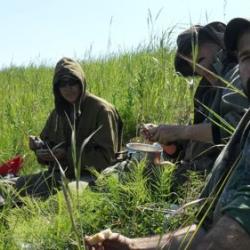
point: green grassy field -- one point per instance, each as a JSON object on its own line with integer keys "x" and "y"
{"x": 144, "y": 88}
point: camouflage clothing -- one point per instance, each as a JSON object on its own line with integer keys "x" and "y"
{"x": 228, "y": 185}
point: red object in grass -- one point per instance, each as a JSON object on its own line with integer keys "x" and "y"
{"x": 170, "y": 149}
{"x": 12, "y": 166}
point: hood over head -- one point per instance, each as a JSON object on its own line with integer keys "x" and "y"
{"x": 194, "y": 36}
{"x": 67, "y": 68}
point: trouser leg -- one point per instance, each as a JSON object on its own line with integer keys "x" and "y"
{"x": 39, "y": 185}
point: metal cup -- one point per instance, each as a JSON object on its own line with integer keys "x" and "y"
{"x": 141, "y": 151}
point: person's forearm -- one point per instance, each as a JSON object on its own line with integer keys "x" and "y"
{"x": 150, "y": 243}
{"x": 176, "y": 240}
{"x": 166, "y": 134}
{"x": 198, "y": 132}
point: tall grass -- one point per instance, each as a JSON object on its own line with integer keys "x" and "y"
{"x": 143, "y": 86}
{"x": 129, "y": 207}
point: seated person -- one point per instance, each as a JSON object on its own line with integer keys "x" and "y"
{"x": 224, "y": 223}
{"x": 93, "y": 121}
{"x": 202, "y": 141}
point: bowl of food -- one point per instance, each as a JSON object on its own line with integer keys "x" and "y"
{"x": 142, "y": 151}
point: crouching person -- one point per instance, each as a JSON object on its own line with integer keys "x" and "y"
{"x": 224, "y": 220}
{"x": 82, "y": 113}
{"x": 201, "y": 142}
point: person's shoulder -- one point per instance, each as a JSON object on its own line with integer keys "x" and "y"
{"x": 52, "y": 115}
{"x": 99, "y": 102}
{"x": 51, "y": 112}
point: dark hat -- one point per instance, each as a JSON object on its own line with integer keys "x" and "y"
{"x": 213, "y": 32}
{"x": 234, "y": 29}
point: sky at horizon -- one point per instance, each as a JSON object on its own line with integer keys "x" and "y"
{"x": 38, "y": 32}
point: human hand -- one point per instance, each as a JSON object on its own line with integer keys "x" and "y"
{"x": 106, "y": 240}
{"x": 165, "y": 134}
{"x": 35, "y": 142}
{"x": 144, "y": 130}
{"x": 45, "y": 155}
{"x": 59, "y": 153}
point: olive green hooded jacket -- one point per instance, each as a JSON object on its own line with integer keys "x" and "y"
{"x": 89, "y": 114}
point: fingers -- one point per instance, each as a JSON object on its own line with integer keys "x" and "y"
{"x": 164, "y": 134}
{"x": 161, "y": 134}
{"x": 43, "y": 154}
{"x": 90, "y": 245}
{"x": 114, "y": 236}
{"x": 47, "y": 155}
{"x": 35, "y": 142}
{"x": 97, "y": 247}
{"x": 99, "y": 237}
{"x": 107, "y": 240}
{"x": 154, "y": 133}
{"x": 149, "y": 125}
{"x": 32, "y": 142}
{"x": 93, "y": 247}
{"x": 145, "y": 130}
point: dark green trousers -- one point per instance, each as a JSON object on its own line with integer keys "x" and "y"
{"x": 42, "y": 184}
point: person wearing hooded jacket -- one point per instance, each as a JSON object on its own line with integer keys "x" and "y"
{"x": 82, "y": 130}
{"x": 202, "y": 141}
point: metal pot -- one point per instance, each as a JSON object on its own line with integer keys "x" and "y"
{"x": 141, "y": 151}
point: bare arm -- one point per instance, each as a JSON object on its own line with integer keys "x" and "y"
{"x": 170, "y": 241}
{"x": 165, "y": 134}
{"x": 199, "y": 132}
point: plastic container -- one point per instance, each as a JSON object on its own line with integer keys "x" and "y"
{"x": 12, "y": 166}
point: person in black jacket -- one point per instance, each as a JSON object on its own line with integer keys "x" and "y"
{"x": 201, "y": 52}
